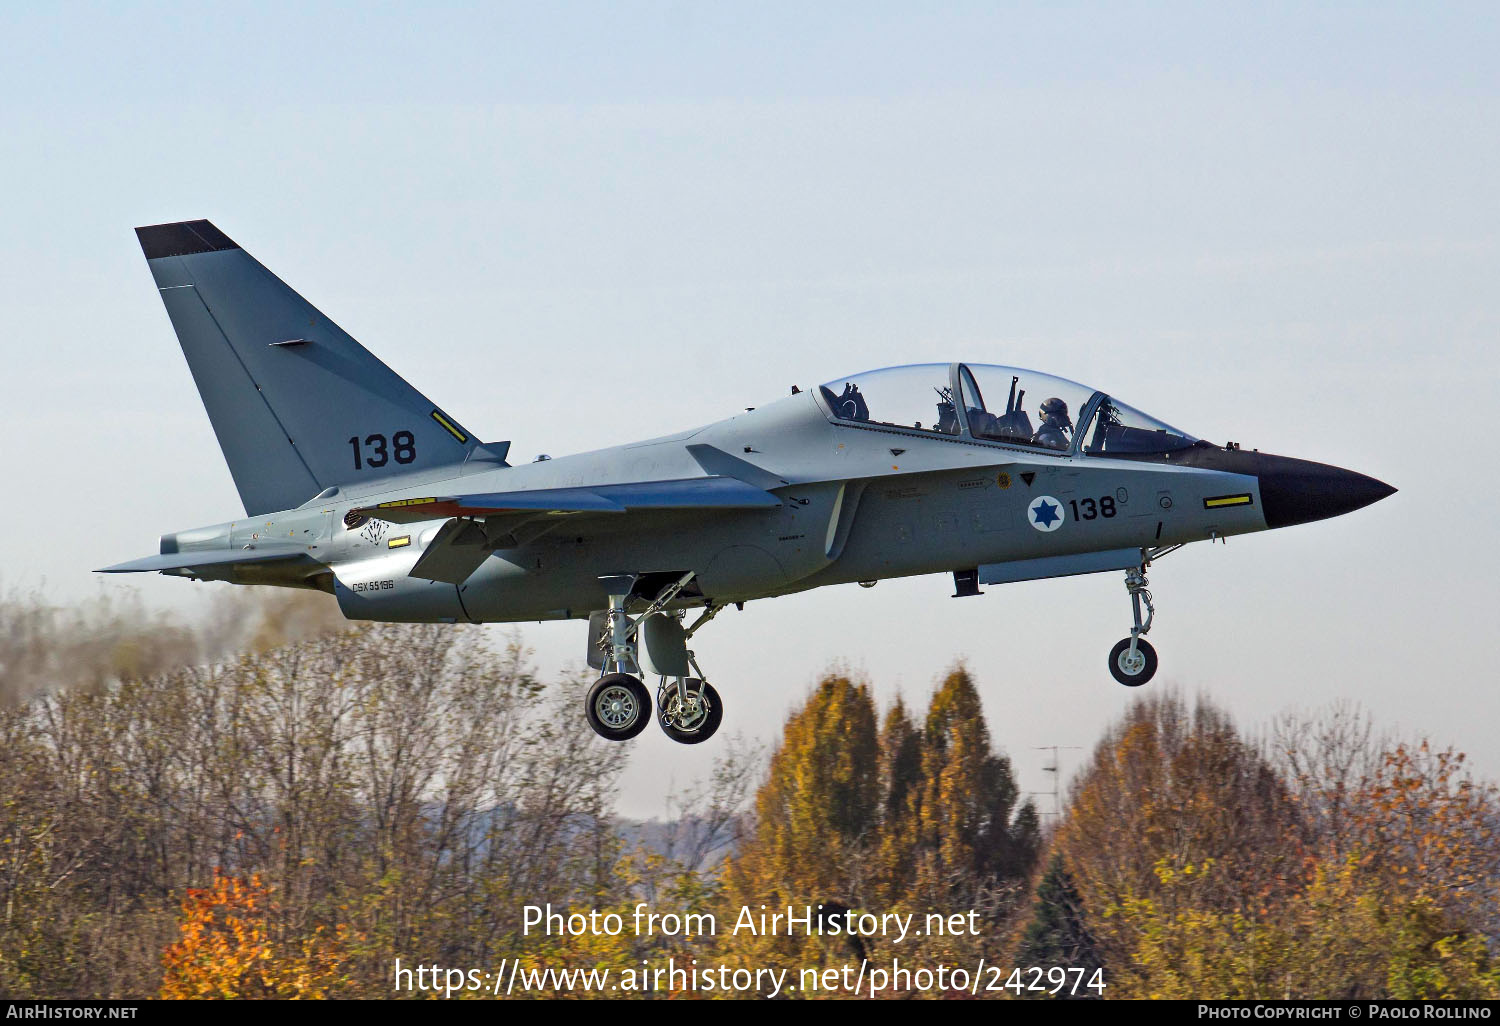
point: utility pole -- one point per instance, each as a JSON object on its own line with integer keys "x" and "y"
{"x": 1056, "y": 770}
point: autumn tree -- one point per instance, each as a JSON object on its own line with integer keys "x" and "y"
{"x": 406, "y": 784}
{"x": 818, "y": 809}
{"x": 1178, "y": 784}
{"x": 914, "y": 819}
{"x": 901, "y": 753}
{"x": 229, "y": 948}
{"x": 1341, "y": 865}
{"x": 970, "y": 823}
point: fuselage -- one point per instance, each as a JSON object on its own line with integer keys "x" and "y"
{"x": 861, "y": 502}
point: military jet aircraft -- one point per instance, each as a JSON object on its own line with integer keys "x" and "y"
{"x": 356, "y": 484}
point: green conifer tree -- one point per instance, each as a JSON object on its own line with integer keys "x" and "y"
{"x": 1058, "y": 934}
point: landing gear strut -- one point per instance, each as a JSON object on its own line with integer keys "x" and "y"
{"x": 618, "y": 706}
{"x": 687, "y": 707}
{"x": 1132, "y": 661}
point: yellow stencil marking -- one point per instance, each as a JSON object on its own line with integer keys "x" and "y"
{"x": 449, "y": 426}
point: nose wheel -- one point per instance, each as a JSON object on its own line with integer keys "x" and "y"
{"x": 1132, "y": 661}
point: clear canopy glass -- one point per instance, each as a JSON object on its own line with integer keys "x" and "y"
{"x": 1118, "y": 428}
{"x": 999, "y": 404}
{"x": 996, "y": 401}
{"x": 916, "y": 397}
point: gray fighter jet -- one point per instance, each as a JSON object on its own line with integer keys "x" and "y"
{"x": 356, "y": 484}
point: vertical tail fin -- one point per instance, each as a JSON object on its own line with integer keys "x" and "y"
{"x": 297, "y": 404}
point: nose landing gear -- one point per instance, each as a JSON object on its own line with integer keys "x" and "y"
{"x": 687, "y": 707}
{"x": 1132, "y": 661}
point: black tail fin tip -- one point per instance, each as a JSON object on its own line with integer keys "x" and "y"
{"x": 182, "y": 238}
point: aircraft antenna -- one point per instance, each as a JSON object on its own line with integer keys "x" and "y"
{"x": 1055, "y": 770}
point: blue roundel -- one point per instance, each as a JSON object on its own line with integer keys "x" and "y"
{"x": 1045, "y": 513}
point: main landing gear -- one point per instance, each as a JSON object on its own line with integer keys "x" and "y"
{"x": 1132, "y": 661}
{"x": 618, "y": 707}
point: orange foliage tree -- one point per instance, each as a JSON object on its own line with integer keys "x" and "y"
{"x": 228, "y": 948}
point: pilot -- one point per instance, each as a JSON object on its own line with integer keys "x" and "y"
{"x": 1055, "y": 424}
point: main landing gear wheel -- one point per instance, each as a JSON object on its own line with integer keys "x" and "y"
{"x": 654, "y": 642}
{"x": 689, "y": 710}
{"x": 619, "y": 707}
{"x": 1132, "y": 668}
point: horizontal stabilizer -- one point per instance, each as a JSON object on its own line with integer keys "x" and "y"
{"x": 691, "y": 493}
{"x": 180, "y": 561}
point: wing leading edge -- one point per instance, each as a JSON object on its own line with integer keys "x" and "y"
{"x": 690, "y": 493}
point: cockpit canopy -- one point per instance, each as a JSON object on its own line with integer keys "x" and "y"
{"x": 999, "y": 404}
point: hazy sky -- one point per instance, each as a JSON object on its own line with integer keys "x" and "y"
{"x": 574, "y": 225}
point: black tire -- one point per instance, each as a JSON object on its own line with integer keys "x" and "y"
{"x": 618, "y": 707}
{"x": 701, "y": 725}
{"x": 1146, "y": 670}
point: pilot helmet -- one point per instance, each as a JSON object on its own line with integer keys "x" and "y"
{"x": 1055, "y": 407}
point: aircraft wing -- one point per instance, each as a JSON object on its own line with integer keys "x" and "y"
{"x": 461, "y": 545}
{"x": 547, "y": 500}
{"x": 203, "y": 558}
{"x": 690, "y": 493}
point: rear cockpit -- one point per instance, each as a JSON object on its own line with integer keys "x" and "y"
{"x": 1008, "y": 405}
{"x": 917, "y": 397}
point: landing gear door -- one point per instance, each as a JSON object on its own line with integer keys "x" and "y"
{"x": 663, "y": 646}
{"x": 598, "y": 632}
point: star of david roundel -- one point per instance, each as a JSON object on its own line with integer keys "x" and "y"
{"x": 1045, "y": 513}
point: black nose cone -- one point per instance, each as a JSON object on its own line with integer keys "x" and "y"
{"x": 1297, "y": 491}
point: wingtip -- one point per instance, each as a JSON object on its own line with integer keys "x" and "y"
{"x": 182, "y": 238}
